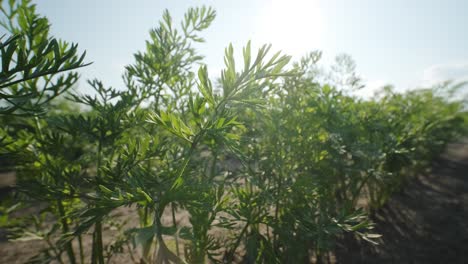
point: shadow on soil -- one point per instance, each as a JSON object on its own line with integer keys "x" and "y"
{"x": 426, "y": 223}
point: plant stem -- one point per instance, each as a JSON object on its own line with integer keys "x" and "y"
{"x": 213, "y": 165}
{"x": 231, "y": 253}
{"x": 145, "y": 217}
{"x": 98, "y": 253}
{"x": 146, "y": 252}
{"x": 80, "y": 244}
{"x": 65, "y": 229}
{"x": 99, "y": 248}
{"x": 176, "y": 236}
{"x": 162, "y": 254}
{"x": 277, "y": 209}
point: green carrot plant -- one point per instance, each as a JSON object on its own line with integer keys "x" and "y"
{"x": 271, "y": 163}
{"x": 32, "y": 62}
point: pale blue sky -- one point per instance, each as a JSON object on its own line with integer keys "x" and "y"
{"x": 405, "y": 43}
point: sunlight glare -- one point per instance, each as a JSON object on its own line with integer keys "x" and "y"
{"x": 294, "y": 26}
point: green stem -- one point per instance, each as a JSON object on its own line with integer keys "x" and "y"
{"x": 277, "y": 209}
{"x": 180, "y": 173}
{"x": 93, "y": 254}
{"x": 80, "y": 244}
{"x": 145, "y": 217}
{"x": 163, "y": 254}
{"x": 236, "y": 245}
{"x": 65, "y": 229}
{"x": 146, "y": 247}
{"x": 213, "y": 165}
{"x": 98, "y": 250}
{"x": 176, "y": 236}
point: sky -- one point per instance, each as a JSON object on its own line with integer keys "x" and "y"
{"x": 404, "y": 43}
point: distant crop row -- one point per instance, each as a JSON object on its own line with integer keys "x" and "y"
{"x": 271, "y": 162}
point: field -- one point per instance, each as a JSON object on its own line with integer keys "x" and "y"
{"x": 424, "y": 223}
{"x": 273, "y": 161}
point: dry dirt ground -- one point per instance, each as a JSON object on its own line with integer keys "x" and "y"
{"x": 427, "y": 222}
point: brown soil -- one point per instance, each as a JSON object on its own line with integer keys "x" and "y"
{"x": 427, "y": 222}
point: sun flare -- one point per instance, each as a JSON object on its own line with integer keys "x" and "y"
{"x": 295, "y": 27}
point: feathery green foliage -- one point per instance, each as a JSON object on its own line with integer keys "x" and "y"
{"x": 269, "y": 165}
